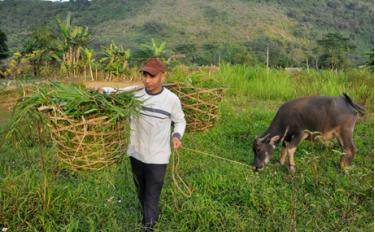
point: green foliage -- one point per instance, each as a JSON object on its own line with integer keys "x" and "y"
{"x": 292, "y": 27}
{"x": 207, "y": 54}
{"x": 278, "y": 54}
{"x": 237, "y": 54}
{"x": 189, "y": 50}
{"x": 42, "y": 48}
{"x": 17, "y": 66}
{"x": 153, "y": 29}
{"x": 74, "y": 101}
{"x": 88, "y": 61}
{"x": 41, "y": 38}
{"x": 271, "y": 84}
{"x": 72, "y": 40}
{"x": 370, "y": 61}
{"x": 115, "y": 59}
{"x": 155, "y": 50}
{"x": 72, "y": 36}
{"x": 258, "y": 82}
{"x": 3, "y": 45}
{"x": 335, "y": 51}
{"x": 226, "y": 196}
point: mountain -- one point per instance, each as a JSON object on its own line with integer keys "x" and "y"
{"x": 199, "y": 29}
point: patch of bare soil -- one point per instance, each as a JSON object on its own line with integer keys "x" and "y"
{"x": 8, "y": 99}
{"x": 113, "y": 84}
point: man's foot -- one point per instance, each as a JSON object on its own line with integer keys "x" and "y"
{"x": 148, "y": 227}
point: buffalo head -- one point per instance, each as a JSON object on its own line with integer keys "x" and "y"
{"x": 263, "y": 148}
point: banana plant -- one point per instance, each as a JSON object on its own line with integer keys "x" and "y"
{"x": 72, "y": 39}
{"x": 156, "y": 50}
{"x": 115, "y": 60}
{"x": 88, "y": 60}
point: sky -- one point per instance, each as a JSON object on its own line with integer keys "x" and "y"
{"x": 57, "y": 0}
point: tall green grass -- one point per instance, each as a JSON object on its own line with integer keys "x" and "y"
{"x": 256, "y": 82}
{"x": 226, "y": 196}
{"x": 277, "y": 84}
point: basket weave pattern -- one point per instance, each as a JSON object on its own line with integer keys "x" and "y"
{"x": 95, "y": 142}
{"x": 201, "y": 106}
{"x": 88, "y": 143}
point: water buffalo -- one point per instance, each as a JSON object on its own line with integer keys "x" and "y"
{"x": 309, "y": 118}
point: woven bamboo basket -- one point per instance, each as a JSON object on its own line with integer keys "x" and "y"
{"x": 88, "y": 143}
{"x": 200, "y": 105}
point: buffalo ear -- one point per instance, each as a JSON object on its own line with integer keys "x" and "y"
{"x": 263, "y": 139}
{"x": 258, "y": 141}
{"x": 273, "y": 140}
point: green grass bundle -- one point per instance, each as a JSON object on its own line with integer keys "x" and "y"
{"x": 89, "y": 129}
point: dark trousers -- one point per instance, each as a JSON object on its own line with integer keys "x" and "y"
{"x": 148, "y": 179}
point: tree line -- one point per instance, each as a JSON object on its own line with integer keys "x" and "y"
{"x": 65, "y": 49}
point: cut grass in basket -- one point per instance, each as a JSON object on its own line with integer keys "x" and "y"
{"x": 75, "y": 102}
{"x": 89, "y": 129}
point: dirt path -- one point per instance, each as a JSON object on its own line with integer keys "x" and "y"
{"x": 113, "y": 84}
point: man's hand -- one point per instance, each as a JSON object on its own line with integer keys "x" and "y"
{"x": 100, "y": 90}
{"x": 176, "y": 143}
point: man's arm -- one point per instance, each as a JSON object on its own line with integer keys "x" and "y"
{"x": 178, "y": 117}
{"x": 108, "y": 90}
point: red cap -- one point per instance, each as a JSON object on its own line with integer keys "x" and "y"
{"x": 154, "y": 66}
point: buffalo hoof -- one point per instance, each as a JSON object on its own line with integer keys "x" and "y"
{"x": 345, "y": 163}
{"x": 346, "y": 169}
{"x": 292, "y": 169}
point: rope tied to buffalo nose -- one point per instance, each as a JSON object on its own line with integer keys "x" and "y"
{"x": 184, "y": 189}
{"x": 216, "y": 157}
{"x": 178, "y": 181}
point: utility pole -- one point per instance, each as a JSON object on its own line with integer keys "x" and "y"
{"x": 268, "y": 57}
{"x": 307, "y": 63}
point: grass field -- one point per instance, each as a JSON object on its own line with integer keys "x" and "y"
{"x": 226, "y": 196}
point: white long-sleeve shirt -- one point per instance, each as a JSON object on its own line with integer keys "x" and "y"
{"x": 150, "y": 135}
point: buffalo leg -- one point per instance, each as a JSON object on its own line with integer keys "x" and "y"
{"x": 284, "y": 152}
{"x": 291, "y": 149}
{"x": 348, "y": 147}
{"x": 292, "y": 164}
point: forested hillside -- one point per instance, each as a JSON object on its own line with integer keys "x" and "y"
{"x": 206, "y": 32}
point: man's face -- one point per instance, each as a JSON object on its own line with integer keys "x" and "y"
{"x": 152, "y": 83}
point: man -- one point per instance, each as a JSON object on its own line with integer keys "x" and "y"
{"x": 150, "y": 137}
